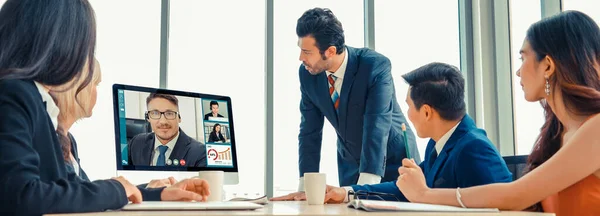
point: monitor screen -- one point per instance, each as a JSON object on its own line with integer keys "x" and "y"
{"x": 167, "y": 130}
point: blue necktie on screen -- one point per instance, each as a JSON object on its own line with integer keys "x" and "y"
{"x": 161, "y": 155}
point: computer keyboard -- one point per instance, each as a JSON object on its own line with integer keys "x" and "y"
{"x": 252, "y": 197}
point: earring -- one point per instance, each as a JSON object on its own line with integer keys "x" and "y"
{"x": 547, "y": 87}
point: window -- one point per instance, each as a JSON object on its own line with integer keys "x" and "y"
{"x": 436, "y": 40}
{"x": 218, "y": 47}
{"x": 586, "y": 6}
{"x": 287, "y": 87}
{"x": 128, "y": 49}
{"x": 529, "y": 117}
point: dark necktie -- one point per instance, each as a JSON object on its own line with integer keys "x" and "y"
{"x": 431, "y": 159}
{"x": 161, "y": 155}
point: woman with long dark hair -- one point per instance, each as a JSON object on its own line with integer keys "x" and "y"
{"x": 47, "y": 46}
{"x": 561, "y": 66}
{"x": 216, "y": 135}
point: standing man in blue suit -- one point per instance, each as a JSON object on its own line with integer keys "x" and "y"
{"x": 354, "y": 90}
{"x": 458, "y": 154}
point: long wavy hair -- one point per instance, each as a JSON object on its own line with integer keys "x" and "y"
{"x": 214, "y": 130}
{"x": 572, "y": 40}
{"x": 49, "y": 42}
{"x": 74, "y": 105}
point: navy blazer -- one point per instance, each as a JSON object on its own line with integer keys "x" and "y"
{"x": 34, "y": 179}
{"x": 148, "y": 194}
{"x": 141, "y": 147}
{"x": 468, "y": 159}
{"x": 367, "y": 123}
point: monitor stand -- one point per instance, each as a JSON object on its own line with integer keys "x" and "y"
{"x": 231, "y": 189}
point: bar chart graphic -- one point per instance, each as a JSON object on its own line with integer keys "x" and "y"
{"x": 219, "y": 155}
{"x": 225, "y": 155}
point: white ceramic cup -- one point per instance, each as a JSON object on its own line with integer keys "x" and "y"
{"x": 314, "y": 187}
{"x": 215, "y": 183}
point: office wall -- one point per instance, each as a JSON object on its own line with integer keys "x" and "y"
{"x": 199, "y": 121}
{"x": 187, "y": 108}
{"x": 135, "y": 105}
{"x": 217, "y": 47}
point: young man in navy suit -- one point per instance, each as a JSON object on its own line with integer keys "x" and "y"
{"x": 354, "y": 90}
{"x": 458, "y": 154}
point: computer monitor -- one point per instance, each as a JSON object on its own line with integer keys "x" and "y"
{"x": 197, "y": 130}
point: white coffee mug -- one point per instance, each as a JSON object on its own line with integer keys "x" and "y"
{"x": 215, "y": 183}
{"x": 314, "y": 186}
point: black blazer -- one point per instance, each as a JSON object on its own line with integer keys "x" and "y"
{"x": 141, "y": 148}
{"x": 148, "y": 194}
{"x": 210, "y": 114}
{"x": 33, "y": 175}
{"x": 215, "y": 138}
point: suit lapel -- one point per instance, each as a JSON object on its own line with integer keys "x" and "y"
{"x": 181, "y": 147}
{"x": 348, "y": 80}
{"x": 325, "y": 99}
{"x": 147, "y": 150}
{"x": 429, "y": 161}
{"x": 428, "y": 157}
{"x": 463, "y": 127}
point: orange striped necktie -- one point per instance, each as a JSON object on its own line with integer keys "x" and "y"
{"x": 335, "y": 98}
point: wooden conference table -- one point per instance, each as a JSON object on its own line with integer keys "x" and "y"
{"x": 297, "y": 208}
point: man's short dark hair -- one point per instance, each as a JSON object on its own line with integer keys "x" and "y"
{"x": 324, "y": 27}
{"x": 170, "y": 98}
{"x": 440, "y": 86}
{"x": 213, "y": 103}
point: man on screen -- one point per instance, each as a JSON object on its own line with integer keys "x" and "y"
{"x": 214, "y": 111}
{"x": 167, "y": 142}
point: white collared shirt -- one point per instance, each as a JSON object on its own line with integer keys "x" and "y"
{"x": 51, "y": 107}
{"x": 170, "y": 145}
{"x": 339, "y": 74}
{"x": 75, "y": 165}
{"x": 439, "y": 145}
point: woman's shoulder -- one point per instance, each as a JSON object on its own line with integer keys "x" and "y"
{"x": 20, "y": 95}
{"x": 593, "y": 116}
{"x": 17, "y": 89}
{"x": 587, "y": 129}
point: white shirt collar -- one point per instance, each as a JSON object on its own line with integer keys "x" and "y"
{"x": 339, "y": 74}
{"x": 439, "y": 145}
{"x": 51, "y": 107}
{"x": 170, "y": 144}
